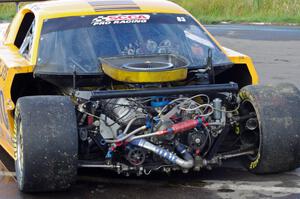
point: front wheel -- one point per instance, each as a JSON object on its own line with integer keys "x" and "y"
{"x": 46, "y": 143}
{"x": 277, "y": 134}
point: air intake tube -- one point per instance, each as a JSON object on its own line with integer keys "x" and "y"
{"x": 186, "y": 163}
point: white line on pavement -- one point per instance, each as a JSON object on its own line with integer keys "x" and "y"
{"x": 7, "y": 173}
{"x": 295, "y": 172}
{"x": 4, "y": 172}
{"x": 245, "y": 186}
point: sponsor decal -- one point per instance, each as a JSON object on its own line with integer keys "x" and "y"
{"x": 3, "y": 116}
{"x": 120, "y": 19}
{"x": 3, "y": 70}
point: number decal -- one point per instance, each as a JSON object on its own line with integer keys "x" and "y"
{"x": 181, "y": 19}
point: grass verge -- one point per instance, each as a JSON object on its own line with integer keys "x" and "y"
{"x": 7, "y": 11}
{"x": 215, "y": 11}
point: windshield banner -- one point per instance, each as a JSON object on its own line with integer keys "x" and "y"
{"x": 120, "y": 19}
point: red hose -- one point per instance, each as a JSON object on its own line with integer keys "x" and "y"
{"x": 181, "y": 127}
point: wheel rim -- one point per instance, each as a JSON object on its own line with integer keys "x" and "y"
{"x": 251, "y": 137}
{"x": 20, "y": 158}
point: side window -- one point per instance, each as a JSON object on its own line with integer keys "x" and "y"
{"x": 24, "y": 36}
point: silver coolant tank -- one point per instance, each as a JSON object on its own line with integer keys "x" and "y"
{"x": 217, "y": 104}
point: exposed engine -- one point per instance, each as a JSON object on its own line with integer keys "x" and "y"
{"x": 156, "y": 133}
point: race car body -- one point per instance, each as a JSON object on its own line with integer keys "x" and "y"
{"x": 133, "y": 86}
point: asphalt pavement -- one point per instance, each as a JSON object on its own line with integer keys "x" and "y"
{"x": 276, "y": 54}
{"x": 275, "y": 50}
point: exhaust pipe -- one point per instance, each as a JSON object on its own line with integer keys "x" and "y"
{"x": 186, "y": 163}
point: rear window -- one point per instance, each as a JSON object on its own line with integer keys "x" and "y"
{"x": 77, "y": 43}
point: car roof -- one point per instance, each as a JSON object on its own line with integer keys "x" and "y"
{"x": 64, "y": 8}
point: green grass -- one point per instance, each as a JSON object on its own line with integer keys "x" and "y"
{"x": 273, "y": 11}
{"x": 214, "y": 11}
{"x": 7, "y": 11}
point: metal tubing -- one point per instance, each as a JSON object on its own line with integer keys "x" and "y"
{"x": 195, "y": 89}
{"x": 174, "y": 129}
{"x": 228, "y": 156}
{"x": 172, "y": 157}
{"x": 219, "y": 140}
{"x": 96, "y": 164}
{"x": 142, "y": 128}
{"x": 188, "y": 161}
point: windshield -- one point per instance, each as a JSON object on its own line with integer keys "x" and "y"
{"x": 77, "y": 43}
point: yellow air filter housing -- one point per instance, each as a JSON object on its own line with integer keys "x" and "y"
{"x": 145, "y": 69}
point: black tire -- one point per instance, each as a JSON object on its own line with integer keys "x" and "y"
{"x": 47, "y": 143}
{"x": 292, "y": 93}
{"x": 278, "y": 115}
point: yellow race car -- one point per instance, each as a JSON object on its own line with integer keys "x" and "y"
{"x": 133, "y": 86}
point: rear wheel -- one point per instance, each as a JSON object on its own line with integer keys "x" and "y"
{"x": 47, "y": 143}
{"x": 277, "y": 134}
